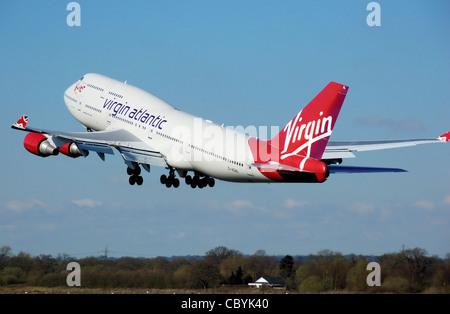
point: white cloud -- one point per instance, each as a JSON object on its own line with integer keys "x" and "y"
{"x": 19, "y": 206}
{"x": 424, "y": 204}
{"x": 46, "y": 227}
{"x": 210, "y": 203}
{"x": 447, "y": 200}
{"x": 239, "y": 204}
{"x": 362, "y": 208}
{"x": 290, "y": 203}
{"x": 8, "y": 227}
{"x": 242, "y": 206}
{"x": 180, "y": 235}
{"x": 86, "y": 202}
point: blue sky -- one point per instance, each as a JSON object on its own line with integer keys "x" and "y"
{"x": 238, "y": 63}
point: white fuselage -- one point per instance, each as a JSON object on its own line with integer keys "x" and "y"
{"x": 188, "y": 143}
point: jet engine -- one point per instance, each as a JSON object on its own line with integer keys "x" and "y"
{"x": 38, "y": 144}
{"x": 72, "y": 150}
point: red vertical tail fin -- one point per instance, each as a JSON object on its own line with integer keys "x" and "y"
{"x": 308, "y": 132}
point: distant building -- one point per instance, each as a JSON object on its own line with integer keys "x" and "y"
{"x": 265, "y": 281}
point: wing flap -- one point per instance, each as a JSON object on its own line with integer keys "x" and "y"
{"x": 142, "y": 157}
{"x": 103, "y": 149}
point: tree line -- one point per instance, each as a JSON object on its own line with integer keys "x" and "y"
{"x": 407, "y": 271}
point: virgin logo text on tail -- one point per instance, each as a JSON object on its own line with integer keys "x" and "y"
{"x": 305, "y": 132}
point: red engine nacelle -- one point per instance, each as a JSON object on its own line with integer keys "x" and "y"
{"x": 71, "y": 149}
{"x": 319, "y": 168}
{"x": 296, "y": 169}
{"x": 309, "y": 170}
{"x": 38, "y": 144}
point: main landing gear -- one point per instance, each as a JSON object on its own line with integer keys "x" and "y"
{"x": 198, "y": 180}
{"x": 135, "y": 177}
{"x": 170, "y": 180}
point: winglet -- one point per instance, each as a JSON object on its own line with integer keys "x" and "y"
{"x": 445, "y": 137}
{"x": 21, "y": 123}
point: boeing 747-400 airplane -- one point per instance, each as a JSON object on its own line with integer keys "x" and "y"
{"x": 147, "y": 131}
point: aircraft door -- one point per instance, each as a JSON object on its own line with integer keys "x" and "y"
{"x": 249, "y": 170}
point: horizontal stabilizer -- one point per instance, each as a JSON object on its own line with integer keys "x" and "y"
{"x": 352, "y": 169}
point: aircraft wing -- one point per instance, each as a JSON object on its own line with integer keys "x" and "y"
{"x": 131, "y": 148}
{"x": 339, "y": 150}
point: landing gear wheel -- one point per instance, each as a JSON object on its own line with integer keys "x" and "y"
{"x": 200, "y": 181}
{"x": 130, "y": 171}
{"x": 204, "y": 182}
{"x": 171, "y": 180}
{"x": 134, "y": 174}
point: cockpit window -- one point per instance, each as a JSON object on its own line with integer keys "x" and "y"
{"x": 81, "y": 78}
